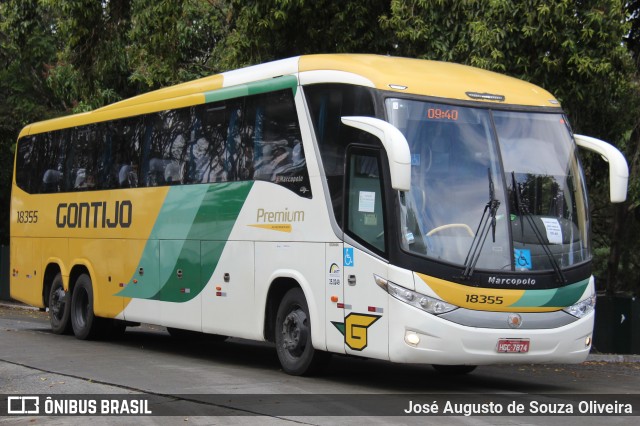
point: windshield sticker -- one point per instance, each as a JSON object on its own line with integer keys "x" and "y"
{"x": 367, "y": 202}
{"x": 554, "y": 232}
{"x": 522, "y": 258}
{"x": 370, "y": 219}
{"x": 415, "y": 159}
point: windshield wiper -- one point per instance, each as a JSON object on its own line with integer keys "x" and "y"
{"x": 487, "y": 222}
{"x": 523, "y": 211}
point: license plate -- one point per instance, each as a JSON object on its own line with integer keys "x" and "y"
{"x": 513, "y": 346}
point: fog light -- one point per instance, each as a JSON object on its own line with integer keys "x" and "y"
{"x": 587, "y": 342}
{"x": 411, "y": 338}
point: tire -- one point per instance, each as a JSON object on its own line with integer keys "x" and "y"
{"x": 293, "y": 337}
{"x": 86, "y": 326}
{"x": 59, "y": 307}
{"x": 454, "y": 370}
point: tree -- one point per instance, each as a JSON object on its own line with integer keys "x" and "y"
{"x": 572, "y": 48}
{"x": 60, "y": 56}
{"x": 174, "y": 41}
{"x": 28, "y": 45}
{"x": 623, "y": 262}
{"x": 92, "y": 66}
{"x": 276, "y": 29}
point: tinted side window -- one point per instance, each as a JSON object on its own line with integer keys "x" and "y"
{"x": 328, "y": 103}
{"x": 52, "y": 168}
{"x": 272, "y": 135}
{"x": 27, "y": 173}
{"x": 255, "y": 137}
{"x": 83, "y": 155}
{"x": 365, "y": 205}
{"x": 214, "y": 148}
{"x": 166, "y": 136}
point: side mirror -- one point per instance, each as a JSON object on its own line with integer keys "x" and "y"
{"x": 395, "y": 144}
{"x": 618, "y": 169}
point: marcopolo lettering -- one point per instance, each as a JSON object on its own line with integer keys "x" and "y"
{"x": 97, "y": 214}
{"x": 512, "y": 281}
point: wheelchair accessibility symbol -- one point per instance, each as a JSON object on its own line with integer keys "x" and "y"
{"x": 522, "y": 258}
{"x": 348, "y": 257}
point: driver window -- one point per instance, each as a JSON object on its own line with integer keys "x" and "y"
{"x": 364, "y": 212}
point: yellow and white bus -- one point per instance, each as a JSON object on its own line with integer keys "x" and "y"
{"x": 399, "y": 209}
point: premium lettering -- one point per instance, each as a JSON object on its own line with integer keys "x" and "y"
{"x": 98, "y": 214}
{"x": 285, "y": 215}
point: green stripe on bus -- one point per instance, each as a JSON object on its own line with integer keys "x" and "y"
{"x": 259, "y": 87}
{"x": 187, "y": 241}
{"x": 555, "y": 297}
{"x": 568, "y": 295}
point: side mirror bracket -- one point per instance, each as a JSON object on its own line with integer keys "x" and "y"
{"x": 395, "y": 145}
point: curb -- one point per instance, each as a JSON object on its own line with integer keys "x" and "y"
{"x": 17, "y": 305}
{"x": 613, "y": 358}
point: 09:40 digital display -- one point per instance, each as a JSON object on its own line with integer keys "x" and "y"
{"x": 442, "y": 114}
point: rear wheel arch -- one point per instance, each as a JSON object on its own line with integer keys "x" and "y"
{"x": 57, "y": 300}
{"x": 49, "y": 275}
{"x": 278, "y": 288}
{"x": 293, "y": 336}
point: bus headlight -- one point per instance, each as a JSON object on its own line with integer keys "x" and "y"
{"x": 428, "y": 304}
{"x": 583, "y": 307}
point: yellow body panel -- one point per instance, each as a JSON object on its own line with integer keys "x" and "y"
{"x": 107, "y": 114}
{"x": 420, "y": 77}
{"x": 431, "y": 78}
{"x": 26, "y": 271}
{"x": 485, "y": 298}
{"x": 109, "y": 254}
{"x": 195, "y": 87}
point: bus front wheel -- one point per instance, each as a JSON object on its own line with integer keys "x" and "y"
{"x": 59, "y": 307}
{"x": 86, "y": 325}
{"x": 293, "y": 336}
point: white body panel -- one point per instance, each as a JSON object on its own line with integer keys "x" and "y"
{"x": 444, "y": 342}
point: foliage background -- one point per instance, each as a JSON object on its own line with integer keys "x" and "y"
{"x": 64, "y": 56}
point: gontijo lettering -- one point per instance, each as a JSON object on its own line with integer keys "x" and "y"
{"x": 98, "y": 214}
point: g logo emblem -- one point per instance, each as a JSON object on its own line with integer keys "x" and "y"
{"x": 355, "y": 329}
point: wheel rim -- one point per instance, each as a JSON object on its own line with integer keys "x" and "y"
{"x": 57, "y": 303}
{"x": 295, "y": 332}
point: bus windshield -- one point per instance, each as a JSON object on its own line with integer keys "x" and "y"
{"x": 493, "y": 190}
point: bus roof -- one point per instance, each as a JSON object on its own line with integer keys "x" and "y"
{"x": 403, "y": 75}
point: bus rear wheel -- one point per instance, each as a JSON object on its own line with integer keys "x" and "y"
{"x": 59, "y": 307}
{"x": 86, "y": 325}
{"x": 293, "y": 337}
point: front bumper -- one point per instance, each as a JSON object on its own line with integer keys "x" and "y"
{"x": 445, "y": 342}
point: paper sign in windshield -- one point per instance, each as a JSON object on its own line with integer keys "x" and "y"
{"x": 367, "y": 202}
{"x": 554, "y": 231}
